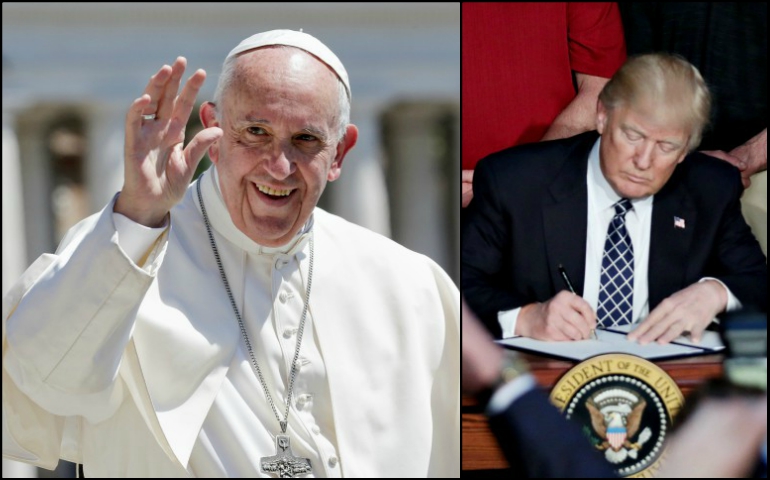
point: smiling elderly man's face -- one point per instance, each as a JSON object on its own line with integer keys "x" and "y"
{"x": 281, "y": 141}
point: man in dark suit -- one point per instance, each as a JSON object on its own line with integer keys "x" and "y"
{"x": 643, "y": 230}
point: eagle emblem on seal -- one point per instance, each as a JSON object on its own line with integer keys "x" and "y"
{"x": 616, "y": 418}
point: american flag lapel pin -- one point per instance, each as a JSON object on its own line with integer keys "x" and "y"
{"x": 679, "y": 223}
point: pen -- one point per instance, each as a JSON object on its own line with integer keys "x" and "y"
{"x": 566, "y": 278}
{"x": 567, "y": 282}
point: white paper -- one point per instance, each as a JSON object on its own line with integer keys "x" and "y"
{"x": 611, "y": 342}
{"x": 710, "y": 340}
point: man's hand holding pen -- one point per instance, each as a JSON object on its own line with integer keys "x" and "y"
{"x": 565, "y": 317}
{"x": 568, "y": 283}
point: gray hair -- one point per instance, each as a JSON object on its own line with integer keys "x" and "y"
{"x": 227, "y": 77}
{"x": 674, "y": 87}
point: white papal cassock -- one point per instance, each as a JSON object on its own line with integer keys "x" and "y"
{"x": 129, "y": 359}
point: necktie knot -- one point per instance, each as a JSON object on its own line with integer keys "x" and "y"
{"x": 623, "y": 207}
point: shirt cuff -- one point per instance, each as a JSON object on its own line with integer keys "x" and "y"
{"x": 135, "y": 239}
{"x": 733, "y": 303}
{"x": 507, "y": 321}
{"x": 509, "y": 393}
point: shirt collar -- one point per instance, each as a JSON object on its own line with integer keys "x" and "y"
{"x": 222, "y": 223}
{"x": 600, "y": 190}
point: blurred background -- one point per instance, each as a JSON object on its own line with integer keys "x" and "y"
{"x": 71, "y": 70}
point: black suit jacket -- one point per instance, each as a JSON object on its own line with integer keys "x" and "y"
{"x": 539, "y": 443}
{"x": 529, "y": 214}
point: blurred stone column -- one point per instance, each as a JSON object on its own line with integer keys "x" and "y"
{"x": 104, "y": 164}
{"x": 422, "y": 166}
{"x": 456, "y": 181}
{"x": 14, "y": 249}
{"x": 360, "y": 195}
{"x": 36, "y": 180}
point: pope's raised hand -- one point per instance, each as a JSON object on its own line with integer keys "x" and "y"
{"x": 157, "y": 167}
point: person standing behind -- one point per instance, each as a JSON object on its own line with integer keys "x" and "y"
{"x": 727, "y": 42}
{"x": 518, "y": 65}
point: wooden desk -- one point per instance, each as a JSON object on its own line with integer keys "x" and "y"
{"x": 480, "y": 450}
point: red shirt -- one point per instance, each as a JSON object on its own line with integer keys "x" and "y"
{"x": 517, "y": 63}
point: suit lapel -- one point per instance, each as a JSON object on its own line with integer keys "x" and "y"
{"x": 565, "y": 220}
{"x": 674, "y": 219}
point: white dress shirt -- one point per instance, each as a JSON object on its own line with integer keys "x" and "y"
{"x": 601, "y": 201}
{"x": 506, "y": 395}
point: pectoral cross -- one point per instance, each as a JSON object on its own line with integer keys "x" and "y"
{"x": 284, "y": 463}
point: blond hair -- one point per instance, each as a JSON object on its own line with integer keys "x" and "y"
{"x": 669, "y": 83}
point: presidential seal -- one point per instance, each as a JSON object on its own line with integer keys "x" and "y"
{"x": 625, "y": 406}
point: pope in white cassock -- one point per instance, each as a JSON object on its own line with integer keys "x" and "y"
{"x": 229, "y": 327}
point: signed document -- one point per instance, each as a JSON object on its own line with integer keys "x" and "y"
{"x": 614, "y": 341}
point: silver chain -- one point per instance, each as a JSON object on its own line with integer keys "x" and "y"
{"x": 243, "y": 329}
